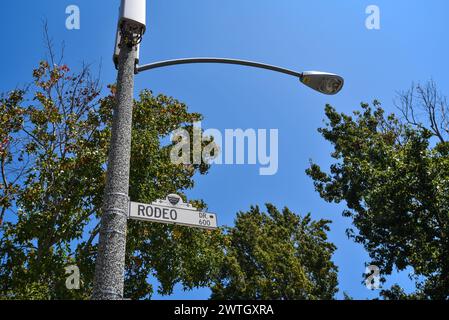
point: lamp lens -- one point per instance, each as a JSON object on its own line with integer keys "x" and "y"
{"x": 331, "y": 85}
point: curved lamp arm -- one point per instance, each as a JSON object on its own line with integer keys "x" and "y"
{"x": 326, "y": 83}
{"x": 167, "y": 63}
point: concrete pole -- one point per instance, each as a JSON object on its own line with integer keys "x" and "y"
{"x": 110, "y": 264}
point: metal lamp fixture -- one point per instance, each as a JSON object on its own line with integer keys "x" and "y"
{"x": 323, "y": 82}
{"x": 326, "y": 83}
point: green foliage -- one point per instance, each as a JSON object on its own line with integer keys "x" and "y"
{"x": 54, "y": 142}
{"x": 347, "y": 297}
{"x": 278, "y": 255}
{"x": 394, "y": 177}
{"x": 397, "y": 293}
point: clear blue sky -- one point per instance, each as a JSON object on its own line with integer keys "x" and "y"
{"x": 305, "y": 35}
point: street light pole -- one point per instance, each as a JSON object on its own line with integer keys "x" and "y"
{"x": 110, "y": 264}
{"x": 323, "y": 82}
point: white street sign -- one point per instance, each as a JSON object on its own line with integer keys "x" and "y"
{"x": 172, "y": 211}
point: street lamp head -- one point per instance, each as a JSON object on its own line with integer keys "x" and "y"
{"x": 327, "y": 83}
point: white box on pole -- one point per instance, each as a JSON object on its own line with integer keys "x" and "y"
{"x": 133, "y": 11}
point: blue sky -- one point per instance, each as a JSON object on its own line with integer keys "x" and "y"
{"x": 302, "y": 35}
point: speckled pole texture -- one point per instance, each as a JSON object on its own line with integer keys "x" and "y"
{"x": 110, "y": 264}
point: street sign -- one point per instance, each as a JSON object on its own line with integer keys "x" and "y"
{"x": 173, "y": 210}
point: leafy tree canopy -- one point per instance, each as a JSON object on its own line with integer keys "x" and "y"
{"x": 54, "y": 140}
{"x": 393, "y": 174}
{"x": 277, "y": 255}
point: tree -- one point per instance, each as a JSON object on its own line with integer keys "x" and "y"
{"x": 393, "y": 174}
{"x": 397, "y": 293}
{"x": 279, "y": 255}
{"x": 54, "y": 138}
